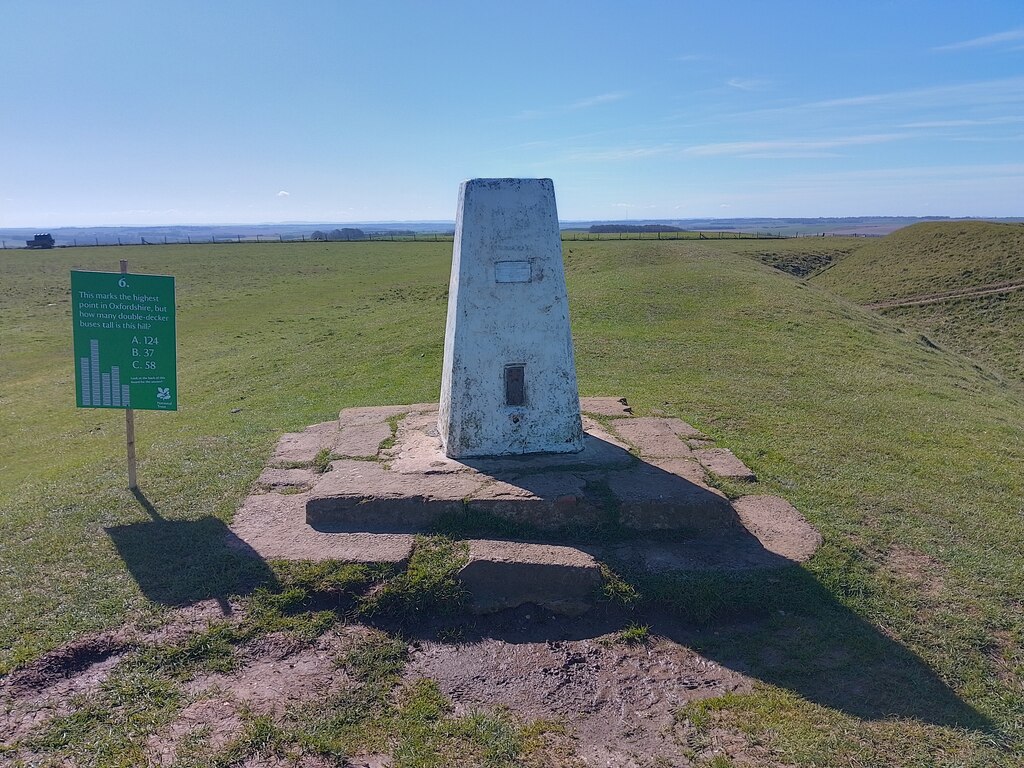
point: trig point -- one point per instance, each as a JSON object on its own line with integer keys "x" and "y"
{"x": 508, "y": 385}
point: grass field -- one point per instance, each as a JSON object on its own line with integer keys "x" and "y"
{"x": 939, "y": 259}
{"x": 929, "y": 258}
{"x": 900, "y": 643}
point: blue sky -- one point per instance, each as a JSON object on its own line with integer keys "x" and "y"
{"x": 135, "y": 113}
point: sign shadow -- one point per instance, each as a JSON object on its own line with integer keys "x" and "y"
{"x": 180, "y": 562}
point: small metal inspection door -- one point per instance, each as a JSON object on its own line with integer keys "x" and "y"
{"x": 515, "y": 385}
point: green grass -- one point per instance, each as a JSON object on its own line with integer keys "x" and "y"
{"x": 988, "y": 329}
{"x": 884, "y": 443}
{"x": 931, "y": 257}
{"x": 802, "y": 256}
{"x": 939, "y": 258}
{"x": 635, "y": 634}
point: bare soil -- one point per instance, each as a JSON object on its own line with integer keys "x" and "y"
{"x": 618, "y": 702}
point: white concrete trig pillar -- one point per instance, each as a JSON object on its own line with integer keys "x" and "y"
{"x": 508, "y": 385}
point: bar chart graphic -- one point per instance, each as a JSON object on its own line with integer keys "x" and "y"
{"x": 101, "y": 388}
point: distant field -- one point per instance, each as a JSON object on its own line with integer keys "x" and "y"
{"x": 900, "y": 643}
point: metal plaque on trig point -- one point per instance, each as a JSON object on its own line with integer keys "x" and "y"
{"x": 512, "y": 272}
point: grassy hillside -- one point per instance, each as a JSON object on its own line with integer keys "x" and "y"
{"x": 930, "y": 258}
{"x": 933, "y": 263}
{"x": 901, "y": 642}
{"x": 800, "y": 256}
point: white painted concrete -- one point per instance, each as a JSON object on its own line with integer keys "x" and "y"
{"x": 508, "y": 306}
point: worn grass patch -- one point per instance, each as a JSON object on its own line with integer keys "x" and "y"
{"x": 427, "y": 587}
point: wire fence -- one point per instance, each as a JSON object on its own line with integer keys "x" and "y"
{"x": 405, "y": 237}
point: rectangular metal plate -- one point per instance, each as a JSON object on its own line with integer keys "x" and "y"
{"x": 515, "y": 385}
{"x": 513, "y": 272}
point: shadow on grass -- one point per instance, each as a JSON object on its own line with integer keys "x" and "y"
{"x": 780, "y": 626}
{"x": 179, "y": 562}
{"x": 785, "y": 628}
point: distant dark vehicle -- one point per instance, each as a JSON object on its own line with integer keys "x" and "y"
{"x": 40, "y": 241}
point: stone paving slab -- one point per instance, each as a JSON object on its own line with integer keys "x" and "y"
{"x": 364, "y": 496}
{"x": 362, "y": 441}
{"x": 606, "y": 406}
{"x": 722, "y": 462}
{"x": 650, "y": 498}
{"x": 771, "y": 534}
{"x": 274, "y": 526}
{"x": 302, "y": 447}
{"x": 379, "y": 414}
{"x": 547, "y": 501}
{"x": 287, "y": 479}
{"x": 654, "y": 437}
{"x": 779, "y": 527}
{"x": 507, "y": 574}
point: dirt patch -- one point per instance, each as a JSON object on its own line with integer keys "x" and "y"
{"x": 1007, "y": 658}
{"x": 618, "y": 700}
{"x": 920, "y": 570}
{"x": 33, "y": 695}
{"x": 67, "y": 663}
{"x": 277, "y": 672}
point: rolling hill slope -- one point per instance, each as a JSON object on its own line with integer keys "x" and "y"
{"x": 930, "y": 258}
{"x": 959, "y": 283}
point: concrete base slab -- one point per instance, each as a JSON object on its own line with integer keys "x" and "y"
{"x": 365, "y": 510}
{"x": 415, "y": 483}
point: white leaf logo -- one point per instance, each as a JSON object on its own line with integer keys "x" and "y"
{"x": 163, "y": 393}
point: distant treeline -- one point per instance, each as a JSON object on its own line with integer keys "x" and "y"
{"x": 611, "y": 229}
{"x": 350, "y": 233}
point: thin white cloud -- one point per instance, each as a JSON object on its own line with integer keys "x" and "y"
{"x": 283, "y": 193}
{"x": 1006, "y": 120}
{"x": 1009, "y": 89}
{"x": 585, "y": 103}
{"x": 747, "y": 84}
{"x": 593, "y": 101}
{"x": 988, "y": 41}
{"x": 978, "y": 172}
{"x": 619, "y": 153}
{"x": 789, "y": 147}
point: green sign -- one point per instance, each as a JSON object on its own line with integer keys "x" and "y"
{"x": 124, "y": 341}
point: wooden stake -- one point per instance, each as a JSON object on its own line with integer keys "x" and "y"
{"x": 129, "y": 424}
